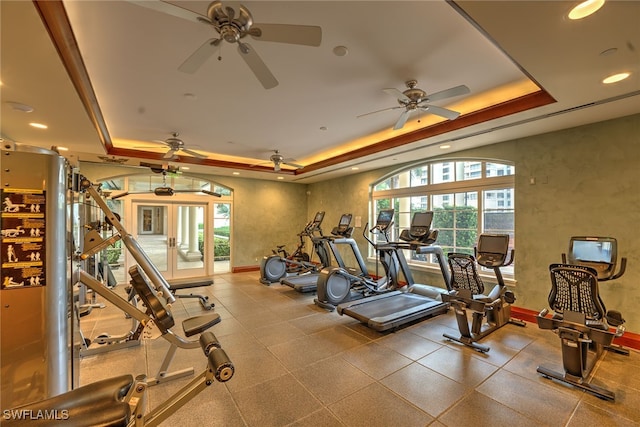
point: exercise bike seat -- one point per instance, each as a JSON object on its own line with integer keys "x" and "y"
{"x": 97, "y": 404}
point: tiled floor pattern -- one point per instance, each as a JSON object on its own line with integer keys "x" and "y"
{"x": 299, "y": 365}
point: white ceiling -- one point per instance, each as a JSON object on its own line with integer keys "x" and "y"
{"x": 131, "y": 55}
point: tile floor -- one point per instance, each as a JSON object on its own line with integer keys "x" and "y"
{"x": 299, "y": 365}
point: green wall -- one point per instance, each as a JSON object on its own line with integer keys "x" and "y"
{"x": 586, "y": 183}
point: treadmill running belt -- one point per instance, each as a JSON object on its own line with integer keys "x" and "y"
{"x": 392, "y": 309}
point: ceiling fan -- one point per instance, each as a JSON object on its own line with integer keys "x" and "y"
{"x": 414, "y": 99}
{"x": 165, "y": 190}
{"x": 232, "y": 26}
{"x": 176, "y": 145}
{"x": 278, "y": 160}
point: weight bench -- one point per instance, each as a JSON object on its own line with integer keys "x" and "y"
{"x": 180, "y": 285}
{"x": 156, "y": 319}
{"x": 122, "y": 400}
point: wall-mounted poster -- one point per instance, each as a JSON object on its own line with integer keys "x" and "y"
{"x": 22, "y": 229}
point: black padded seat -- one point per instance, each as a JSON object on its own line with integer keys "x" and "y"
{"x": 179, "y": 285}
{"x": 198, "y": 324}
{"x": 96, "y": 404}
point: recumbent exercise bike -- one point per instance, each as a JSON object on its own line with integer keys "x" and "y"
{"x": 579, "y": 317}
{"x": 489, "y": 311}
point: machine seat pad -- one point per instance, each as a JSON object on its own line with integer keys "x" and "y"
{"x": 482, "y": 298}
{"x": 199, "y": 324}
{"x": 176, "y": 286}
{"x": 95, "y": 404}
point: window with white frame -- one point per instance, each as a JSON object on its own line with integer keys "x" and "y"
{"x": 468, "y": 197}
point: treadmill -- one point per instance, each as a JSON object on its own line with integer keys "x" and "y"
{"x": 396, "y": 308}
{"x": 339, "y": 235}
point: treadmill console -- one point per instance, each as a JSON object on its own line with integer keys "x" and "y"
{"x": 599, "y": 253}
{"x": 420, "y": 229}
{"x": 344, "y": 228}
{"x": 492, "y": 250}
{"x": 316, "y": 223}
{"x": 385, "y": 219}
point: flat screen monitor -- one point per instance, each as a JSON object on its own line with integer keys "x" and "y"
{"x": 385, "y": 217}
{"x": 493, "y": 243}
{"x": 592, "y": 249}
{"x": 422, "y": 219}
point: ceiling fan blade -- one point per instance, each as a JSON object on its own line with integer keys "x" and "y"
{"x": 169, "y": 9}
{"x": 199, "y": 57}
{"x": 207, "y": 192}
{"x": 194, "y": 154}
{"x": 402, "y": 120}
{"x": 439, "y": 111}
{"x": 117, "y": 196}
{"x": 293, "y": 165}
{"x": 307, "y": 35}
{"x": 169, "y": 154}
{"x": 258, "y": 67}
{"x": 448, "y": 93}
{"x": 396, "y": 93}
{"x": 268, "y": 162}
{"x": 379, "y": 111}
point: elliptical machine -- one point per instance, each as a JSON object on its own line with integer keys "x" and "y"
{"x": 323, "y": 246}
{"x": 489, "y": 312}
{"x": 274, "y": 267}
{"x": 336, "y": 284}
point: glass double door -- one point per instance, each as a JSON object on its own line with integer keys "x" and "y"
{"x": 172, "y": 235}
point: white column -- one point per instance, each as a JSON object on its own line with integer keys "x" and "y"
{"x": 184, "y": 225}
{"x": 193, "y": 230}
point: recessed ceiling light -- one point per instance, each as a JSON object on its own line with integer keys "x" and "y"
{"x": 355, "y": 168}
{"x": 281, "y": 177}
{"x": 585, "y": 9}
{"x": 185, "y": 168}
{"x": 38, "y": 125}
{"x": 235, "y": 173}
{"x": 445, "y": 146}
{"x": 615, "y": 78}
{"x": 340, "y": 51}
{"x": 62, "y": 148}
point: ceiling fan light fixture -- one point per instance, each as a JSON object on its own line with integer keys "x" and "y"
{"x": 163, "y": 191}
{"x": 585, "y": 8}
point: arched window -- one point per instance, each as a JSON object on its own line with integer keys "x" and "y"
{"x": 467, "y": 196}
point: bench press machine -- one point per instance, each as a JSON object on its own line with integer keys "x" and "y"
{"x": 122, "y": 400}
{"x": 140, "y": 274}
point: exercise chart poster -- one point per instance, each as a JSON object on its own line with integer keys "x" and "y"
{"x": 22, "y": 228}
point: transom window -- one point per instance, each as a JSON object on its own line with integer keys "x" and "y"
{"x": 467, "y": 197}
